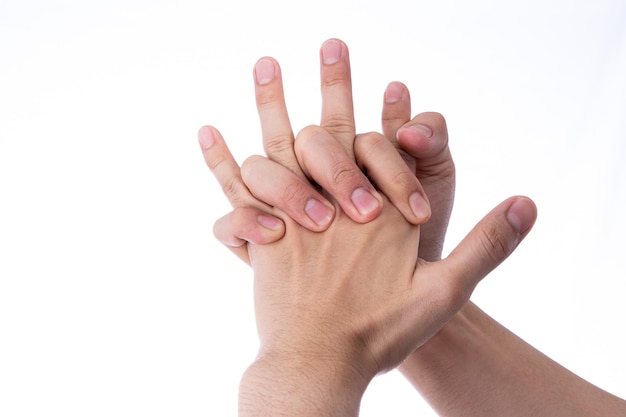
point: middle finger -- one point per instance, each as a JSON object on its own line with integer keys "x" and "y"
{"x": 336, "y": 86}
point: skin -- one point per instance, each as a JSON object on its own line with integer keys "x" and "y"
{"x": 374, "y": 301}
{"x": 473, "y": 366}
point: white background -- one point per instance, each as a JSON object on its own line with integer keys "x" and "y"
{"x": 114, "y": 297}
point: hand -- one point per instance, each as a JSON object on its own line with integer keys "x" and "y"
{"x": 291, "y": 191}
{"x": 455, "y": 278}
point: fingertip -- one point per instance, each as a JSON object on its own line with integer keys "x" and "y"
{"x": 395, "y": 92}
{"x": 206, "y": 137}
{"x": 522, "y": 214}
{"x": 270, "y": 222}
{"x": 265, "y": 70}
{"x": 420, "y": 207}
{"x": 425, "y": 136}
{"x": 366, "y": 202}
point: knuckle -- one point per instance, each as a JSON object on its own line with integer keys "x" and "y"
{"x": 233, "y": 190}
{"x": 404, "y": 179}
{"x": 278, "y": 145}
{"x": 293, "y": 193}
{"x": 268, "y": 96}
{"x": 339, "y": 124}
{"x": 335, "y": 79}
{"x": 249, "y": 166}
{"x": 495, "y": 244}
{"x": 343, "y": 172}
{"x": 370, "y": 144}
{"x": 216, "y": 160}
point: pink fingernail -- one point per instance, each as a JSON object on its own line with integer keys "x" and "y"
{"x": 364, "y": 202}
{"x": 318, "y": 212}
{"x": 393, "y": 93}
{"x": 522, "y": 214}
{"x": 269, "y": 222}
{"x": 264, "y": 71}
{"x": 331, "y": 52}
{"x": 420, "y": 206}
{"x": 206, "y": 138}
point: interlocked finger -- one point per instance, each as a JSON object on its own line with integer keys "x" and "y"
{"x": 336, "y": 85}
{"x": 225, "y": 169}
{"x": 275, "y": 125}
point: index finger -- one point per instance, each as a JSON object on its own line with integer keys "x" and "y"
{"x": 275, "y": 125}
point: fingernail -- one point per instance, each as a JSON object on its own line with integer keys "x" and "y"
{"x": 264, "y": 71}
{"x": 318, "y": 212}
{"x": 419, "y": 205}
{"x": 364, "y": 202}
{"x": 331, "y": 52}
{"x": 393, "y": 93}
{"x": 521, "y": 215}
{"x": 422, "y": 129}
{"x": 206, "y": 138}
{"x": 269, "y": 222}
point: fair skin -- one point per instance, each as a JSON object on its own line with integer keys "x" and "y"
{"x": 336, "y": 308}
{"x": 471, "y": 344}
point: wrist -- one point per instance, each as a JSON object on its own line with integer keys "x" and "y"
{"x": 301, "y": 384}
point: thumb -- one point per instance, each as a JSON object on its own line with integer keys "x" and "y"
{"x": 491, "y": 241}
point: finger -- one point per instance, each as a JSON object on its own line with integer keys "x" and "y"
{"x": 384, "y": 166}
{"x": 247, "y": 224}
{"x": 396, "y": 110}
{"x": 225, "y": 169}
{"x": 425, "y": 140}
{"x": 328, "y": 163}
{"x": 295, "y": 196}
{"x": 336, "y": 85}
{"x": 275, "y": 126}
{"x": 491, "y": 241}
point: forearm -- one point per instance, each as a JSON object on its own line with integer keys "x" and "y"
{"x": 299, "y": 387}
{"x": 476, "y": 367}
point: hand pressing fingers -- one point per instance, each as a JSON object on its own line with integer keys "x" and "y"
{"x": 384, "y": 166}
{"x": 295, "y": 196}
{"x": 325, "y": 160}
{"x": 247, "y": 224}
{"x": 250, "y": 220}
{"x": 425, "y": 140}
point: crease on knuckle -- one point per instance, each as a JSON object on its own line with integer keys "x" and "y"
{"x": 404, "y": 179}
{"x": 216, "y": 160}
{"x": 278, "y": 145}
{"x": 268, "y": 97}
{"x": 369, "y": 145}
{"x": 293, "y": 193}
{"x": 233, "y": 190}
{"x": 495, "y": 244}
{"x": 342, "y": 172}
{"x": 338, "y": 123}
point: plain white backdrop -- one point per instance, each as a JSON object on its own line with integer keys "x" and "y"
{"x": 114, "y": 297}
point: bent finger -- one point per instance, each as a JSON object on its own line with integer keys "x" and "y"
{"x": 425, "y": 141}
{"x": 247, "y": 224}
{"x": 329, "y": 164}
{"x": 380, "y": 159}
{"x": 288, "y": 192}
